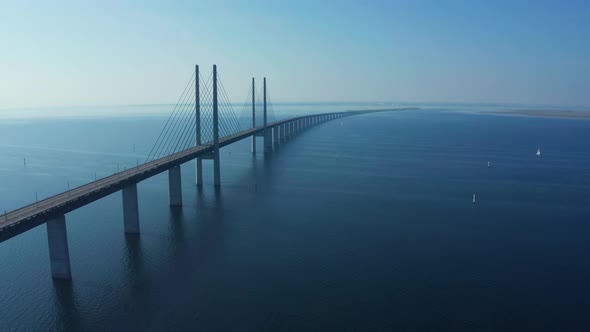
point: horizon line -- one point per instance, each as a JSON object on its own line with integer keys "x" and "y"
{"x": 384, "y": 103}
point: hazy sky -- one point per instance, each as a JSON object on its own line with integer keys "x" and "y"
{"x": 55, "y": 53}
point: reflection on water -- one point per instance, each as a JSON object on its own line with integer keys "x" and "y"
{"x": 68, "y": 315}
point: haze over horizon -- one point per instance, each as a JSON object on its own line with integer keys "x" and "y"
{"x": 68, "y": 53}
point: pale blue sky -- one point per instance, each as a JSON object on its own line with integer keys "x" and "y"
{"x": 59, "y": 53}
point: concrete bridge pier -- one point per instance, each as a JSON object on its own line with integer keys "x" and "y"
{"x": 275, "y": 136}
{"x": 268, "y": 139}
{"x": 199, "y": 167}
{"x": 216, "y": 169}
{"x": 59, "y": 253}
{"x": 175, "y": 186}
{"x": 282, "y": 132}
{"x": 131, "y": 209}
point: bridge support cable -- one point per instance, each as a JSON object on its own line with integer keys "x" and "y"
{"x": 244, "y": 112}
{"x": 271, "y": 113}
{"x": 186, "y": 131}
{"x": 207, "y": 112}
{"x": 247, "y": 113}
{"x": 231, "y": 114}
{"x": 259, "y": 106}
{"x": 173, "y": 135}
{"x": 228, "y": 117}
{"x": 185, "y": 121}
{"x": 165, "y": 129}
{"x": 189, "y": 127}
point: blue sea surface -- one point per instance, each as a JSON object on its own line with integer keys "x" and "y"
{"x": 363, "y": 223}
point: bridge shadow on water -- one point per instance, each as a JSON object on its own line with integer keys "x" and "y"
{"x": 67, "y": 309}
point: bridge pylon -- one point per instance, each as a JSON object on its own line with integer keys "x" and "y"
{"x": 214, "y": 154}
{"x": 198, "y": 160}
{"x": 253, "y": 115}
{"x": 267, "y": 131}
{"x": 216, "y": 166}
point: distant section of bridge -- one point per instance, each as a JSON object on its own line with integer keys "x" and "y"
{"x": 169, "y": 152}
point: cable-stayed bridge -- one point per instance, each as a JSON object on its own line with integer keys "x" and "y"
{"x": 202, "y": 122}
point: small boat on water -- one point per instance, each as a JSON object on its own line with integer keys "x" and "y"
{"x": 538, "y": 152}
{"x": 473, "y": 198}
{"x": 488, "y": 164}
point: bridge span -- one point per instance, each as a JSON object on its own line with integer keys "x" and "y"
{"x": 52, "y": 210}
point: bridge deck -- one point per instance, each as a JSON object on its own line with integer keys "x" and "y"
{"x": 32, "y": 215}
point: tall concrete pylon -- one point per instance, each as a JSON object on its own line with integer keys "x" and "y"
{"x": 253, "y": 115}
{"x": 198, "y": 161}
{"x": 216, "y": 166}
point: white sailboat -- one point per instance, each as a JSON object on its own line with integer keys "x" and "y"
{"x": 538, "y": 151}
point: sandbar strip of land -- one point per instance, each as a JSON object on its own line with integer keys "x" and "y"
{"x": 545, "y": 113}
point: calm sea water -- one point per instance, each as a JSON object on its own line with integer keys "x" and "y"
{"x": 364, "y": 223}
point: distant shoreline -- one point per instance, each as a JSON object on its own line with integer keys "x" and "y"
{"x": 387, "y": 109}
{"x": 544, "y": 113}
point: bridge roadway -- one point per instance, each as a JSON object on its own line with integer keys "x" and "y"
{"x": 35, "y": 214}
